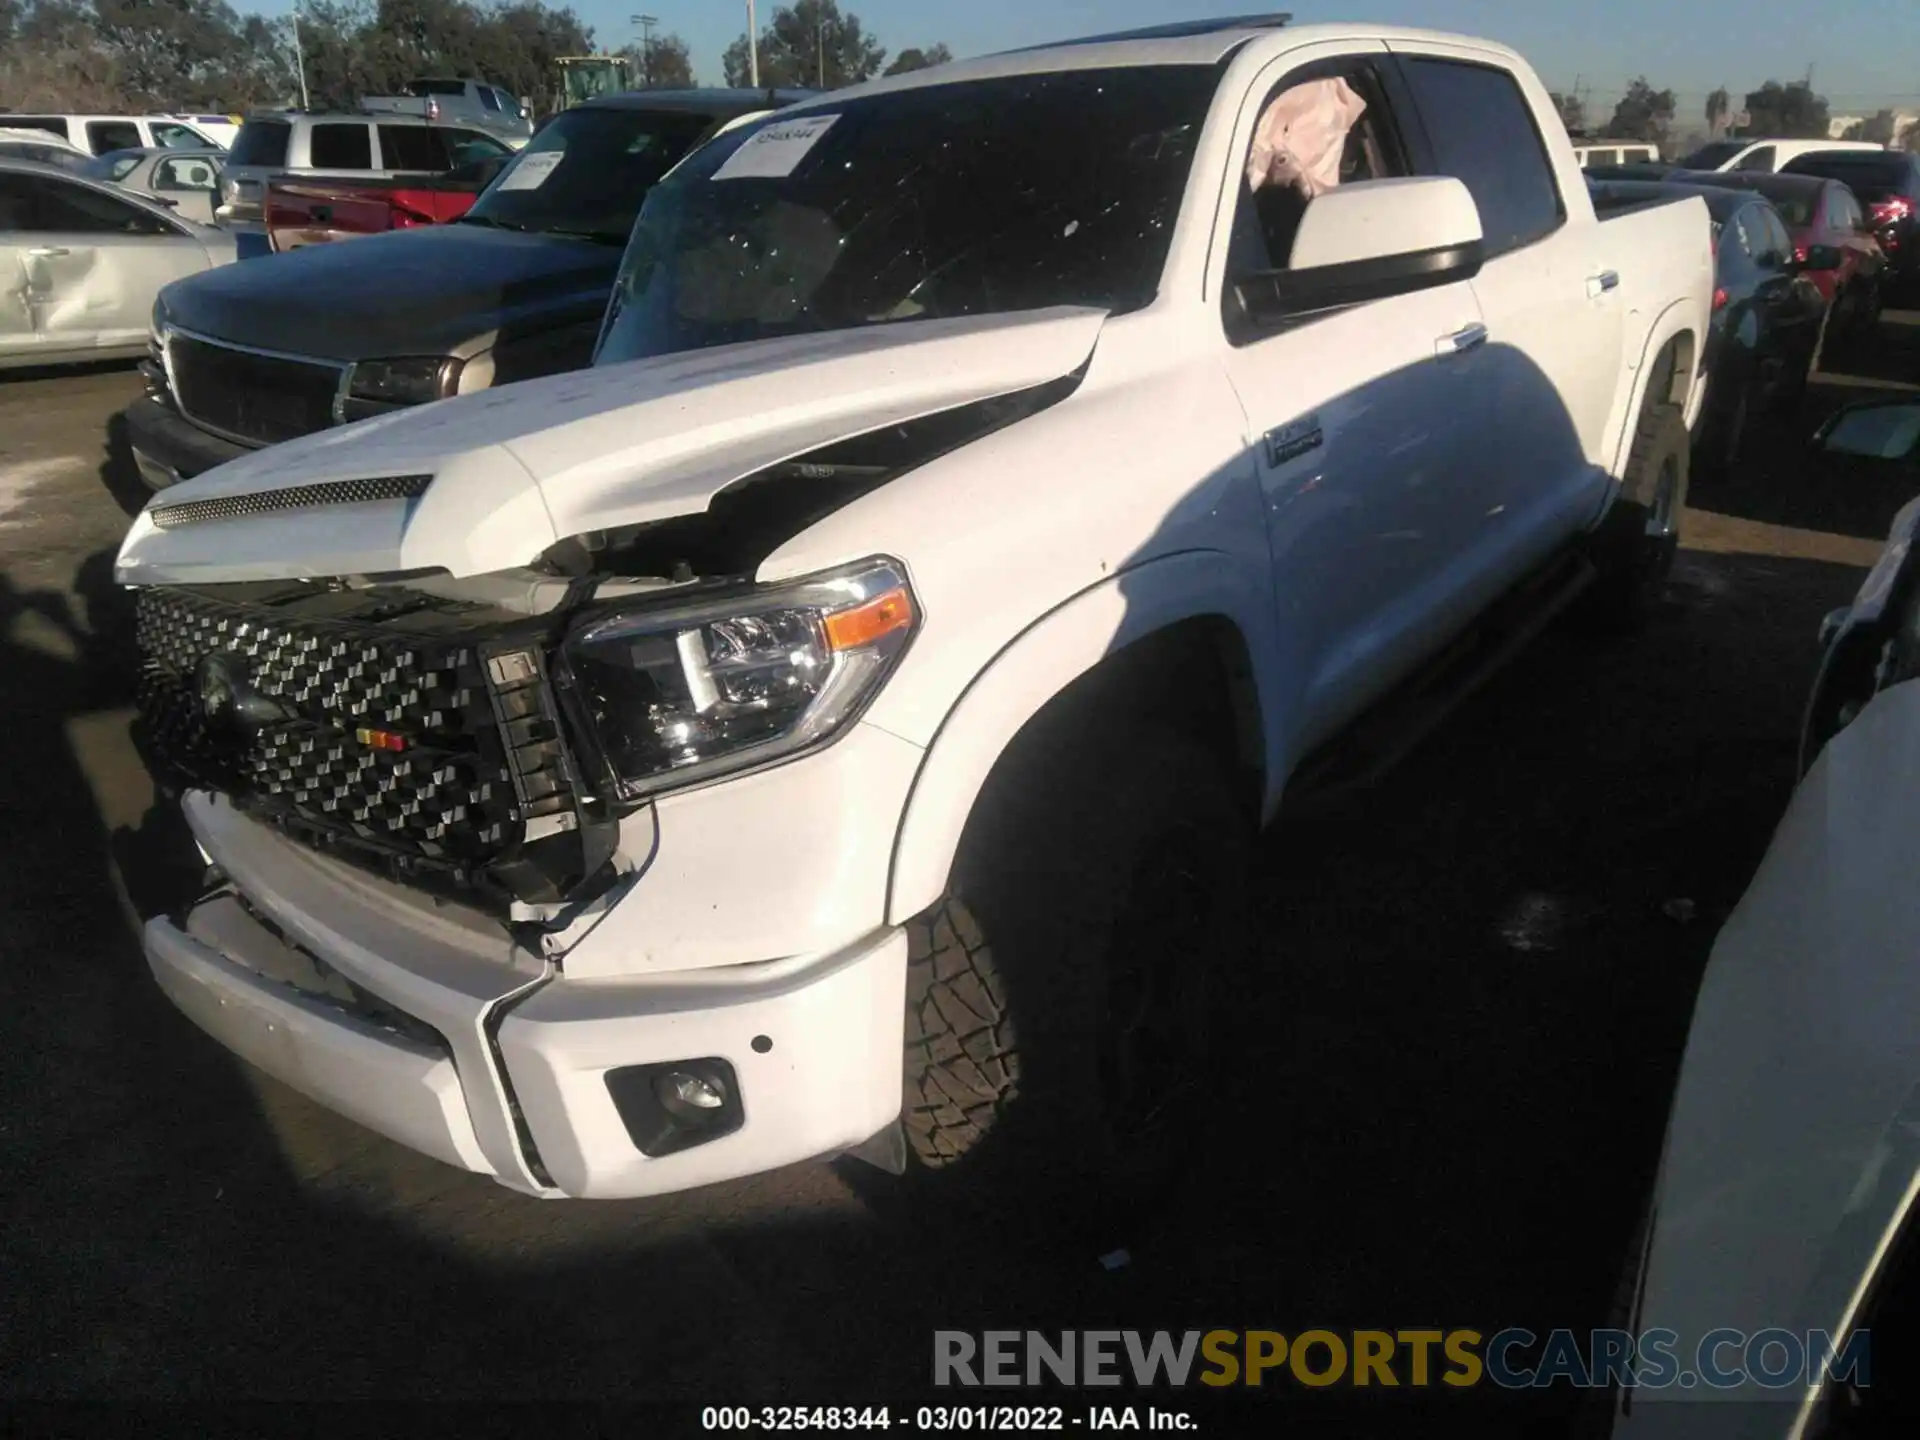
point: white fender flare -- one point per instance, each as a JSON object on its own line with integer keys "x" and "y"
{"x": 1037, "y": 665}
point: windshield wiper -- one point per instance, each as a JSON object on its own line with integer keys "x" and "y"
{"x": 472, "y": 219}
{"x": 599, "y": 237}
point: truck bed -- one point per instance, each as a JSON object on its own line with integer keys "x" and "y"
{"x": 314, "y": 210}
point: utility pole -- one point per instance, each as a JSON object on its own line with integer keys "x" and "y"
{"x": 646, "y": 24}
{"x": 820, "y": 47}
{"x": 753, "y": 48}
{"x": 299, "y": 59}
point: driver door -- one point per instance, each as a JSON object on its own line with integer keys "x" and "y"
{"x": 93, "y": 263}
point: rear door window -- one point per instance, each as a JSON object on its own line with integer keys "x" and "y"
{"x": 339, "y": 146}
{"x": 52, "y": 124}
{"x": 1484, "y": 135}
{"x": 1761, "y": 159}
{"x": 260, "y": 142}
{"x": 412, "y": 147}
{"x": 171, "y": 135}
{"x": 188, "y": 172}
{"x": 105, "y": 135}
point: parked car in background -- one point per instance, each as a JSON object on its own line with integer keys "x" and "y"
{"x": 1763, "y": 155}
{"x": 98, "y": 134}
{"x": 1833, "y": 248}
{"x": 218, "y": 128}
{"x": 471, "y": 102}
{"x": 1614, "y": 152}
{"x": 363, "y": 146}
{"x": 1766, "y": 311}
{"x": 1887, "y": 186}
{"x": 331, "y": 333}
{"x": 81, "y": 262}
{"x": 315, "y": 210}
{"x": 186, "y": 181}
{"x": 817, "y": 796}
{"x": 1785, "y": 1201}
{"x": 40, "y": 147}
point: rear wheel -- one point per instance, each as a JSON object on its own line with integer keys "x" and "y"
{"x": 1635, "y": 546}
{"x": 1060, "y": 996}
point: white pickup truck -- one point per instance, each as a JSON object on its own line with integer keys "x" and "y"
{"x": 996, "y": 488}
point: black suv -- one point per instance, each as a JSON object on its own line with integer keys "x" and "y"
{"x": 252, "y": 354}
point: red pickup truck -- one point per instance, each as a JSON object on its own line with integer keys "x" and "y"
{"x": 314, "y": 209}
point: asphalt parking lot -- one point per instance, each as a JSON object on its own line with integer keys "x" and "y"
{"x": 1460, "y": 1031}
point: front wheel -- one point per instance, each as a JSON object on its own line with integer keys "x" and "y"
{"x": 1061, "y": 995}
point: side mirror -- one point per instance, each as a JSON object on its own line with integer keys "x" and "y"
{"x": 1368, "y": 241}
{"x": 1820, "y": 257}
{"x": 1877, "y": 429}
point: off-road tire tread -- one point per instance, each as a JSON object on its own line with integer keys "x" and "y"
{"x": 961, "y": 1063}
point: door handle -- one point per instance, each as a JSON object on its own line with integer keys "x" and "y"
{"x": 47, "y": 252}
{"x": 1470, "y": 337}
{"x": 1598, "y": 285}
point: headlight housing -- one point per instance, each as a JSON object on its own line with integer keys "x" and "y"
{"x": 681, "y": 693}
{"x": 376, "y": 386}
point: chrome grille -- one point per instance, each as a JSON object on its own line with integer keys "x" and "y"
{"x": 259, "y": 399}
{"x": 365, "y": 720}
{"x": 294, "y": 497}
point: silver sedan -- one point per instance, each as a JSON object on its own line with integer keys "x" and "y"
{"x": 185, "y": 181}
{"x": 81, "y": 262}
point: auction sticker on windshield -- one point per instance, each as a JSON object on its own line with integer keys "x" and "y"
{"x": 773, "y": 152}
{"x": 532, "y": 171}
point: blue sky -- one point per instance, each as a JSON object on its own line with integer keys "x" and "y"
{"x": 1864, "y": 52}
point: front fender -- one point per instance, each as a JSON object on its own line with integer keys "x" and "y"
{"x": 1039, "y": 664}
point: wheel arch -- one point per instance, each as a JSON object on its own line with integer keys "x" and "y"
{"x": 1171, "y": 641}
{"x": 1669, "y": 373}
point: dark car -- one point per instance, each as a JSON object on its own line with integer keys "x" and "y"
{"x": 1830, "y": 239}
{"x": 1766, "y": 310}
{"x": 513, "y": 289}
{"x": 1888, "y": 189}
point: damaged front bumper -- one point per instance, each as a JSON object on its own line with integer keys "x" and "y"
{"x": 430, "y": 1024}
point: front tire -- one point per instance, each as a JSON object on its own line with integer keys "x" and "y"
{"x": 1060, "y": 995}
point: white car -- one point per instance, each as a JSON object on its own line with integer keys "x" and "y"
{"x": 81, "y": 263}
{"x": 185, "y": 181}
{"x": 1786, "y": 1200}
{"x": 995, "y": 486}
{"x": 1765, "y": 155}
{"x": 99, "y": 134}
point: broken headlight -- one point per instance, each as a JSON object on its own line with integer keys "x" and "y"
{"x": 680, "y": 693}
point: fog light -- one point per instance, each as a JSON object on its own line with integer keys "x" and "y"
{"x": 676, "y": 1105}
{"x": 685, "y": 1094}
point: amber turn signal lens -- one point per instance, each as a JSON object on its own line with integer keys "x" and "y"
{"x": 867, "y": 622}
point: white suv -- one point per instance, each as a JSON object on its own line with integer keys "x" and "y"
{"x": 996, "y": 488}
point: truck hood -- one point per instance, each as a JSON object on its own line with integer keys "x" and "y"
{"x": 408, "y": 292}
{"x": 507, "y": 472}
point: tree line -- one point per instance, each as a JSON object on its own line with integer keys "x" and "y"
{"x": 111, "y": 56}
{"x": 1789, "y": 111}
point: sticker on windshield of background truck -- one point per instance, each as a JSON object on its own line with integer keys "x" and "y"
{"x": 1293, "y": 439}
{"x": 532, "y": 171}
{"x": 773, "y": 152}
